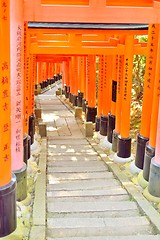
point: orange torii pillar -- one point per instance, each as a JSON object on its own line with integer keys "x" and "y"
{"x": 26, "y": 85}
{"x": 84, "y": 102}
{"x": 106, "y": 104}
{"x": 17, "y": 95}
{"x": 154, "y": 174}
{"x": 124, "y": 139}
{"x": 116, "y": 131}
{"x": 91, "y": 110}
{"x": 112, "y": 114}
{"x": 46, "y": 75}
{"x": 151, "y": 144}
{"x": 43, "y": 80}
{"x": 74, "y": 80}
{"x": 53, "y": 69}
{"x": 57, "y": 75}
{"x": 7, "y": 179}
{"x": 100, "y": 91}
{"x": 143, "y": 137}
{"x": 66, "y": 78}
{"x": 31, "y": 125}
{"x": 36, "y": 82}
{"x": 39, "y": 77}
{"x": 81, "y": 80}
{"x": 51, "y": 73}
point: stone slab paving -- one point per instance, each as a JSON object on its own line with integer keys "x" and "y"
{"x": 85, "y": 200}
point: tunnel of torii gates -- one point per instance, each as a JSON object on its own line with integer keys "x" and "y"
{"x": 43, "y": 41}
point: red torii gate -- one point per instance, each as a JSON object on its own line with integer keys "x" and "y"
{"x": 82, "y": 11}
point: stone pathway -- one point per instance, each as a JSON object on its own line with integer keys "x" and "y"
{"x": 85, "y": 201}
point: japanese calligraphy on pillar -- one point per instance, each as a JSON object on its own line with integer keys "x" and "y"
{"x": 102, "y": 69}
{"x": 5, "y": 142}
{"x": 88, "y": 73}
{"x": 151, "y": 57}
{"x": 120, "y": 74}
{"x": 26, "y": 77}
{"x": 32, "y": 84}
{"x": 126, "y": 78}
{"x": 17, "y": 75}
{"x": 91, "y": 80}
{"x": 18, "y": 91}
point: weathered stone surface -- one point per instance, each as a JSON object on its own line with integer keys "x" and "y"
{"x": 84, "y": 199}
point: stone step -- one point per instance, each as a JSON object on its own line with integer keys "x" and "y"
{"x": 96, "y": 206}
{"x": 76, "y": 169}
{"x": 64, "y": 147}
{"x": 75, "y": 163}
{"x": 51, "y": 152}
{"x": 81, "y": 193}
{"x": 74, "y": 176}
{"x": 98, "y": 214}
{"x": 114, "y": 198}
{"x": 81, "y": 157}
{"x": 85, "y": 227}
{"x": 69, "y": 149}
{"x": 68, "y": 143}
{"x": 75, "y": 136}
{"x": 63, "y": 114}
{"x": 84, "y": 185}
{"x": 46, "y": 102}
{"x": 136, "y": 237}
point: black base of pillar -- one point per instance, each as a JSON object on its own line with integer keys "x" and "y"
{"x": 55, "y": 78}
{"x": 124, "y": 147}
{"x": 114, "y": 141}
{"x": 21, "y": 176}
{"x": 79, "y": 99}
{"x": 74, "y": 100}
{"x": 91, "y": 114}
{"x": 70, "y": 97}
{"x": 25, "y": 148}
{"x": 31, "y": 131}
{"x": 97, "y": 126}
{"x": 8, "y": 216}
{"x": 29, "y": 147}
{"x": 154, "y": 179}
{"x": 103, "y": 125}
{"x": 149, "y": 154}
{"x": 66, "y": 91}
{"x": 111, "y": 127}
{"x": 140, "y": 151}
{"x": 84, "y": 105}
{"x": 52, "y": 80}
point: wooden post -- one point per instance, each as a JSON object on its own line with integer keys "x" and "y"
{"x": 80, "y": 81}
{"x": 112, "y": 114}
{"x": 7, "y": 180}
{"x": 84, "y": 101}
{"x": 143, "y": 137}
{"x": 100, "y": 91}
{"x": 17, "y": 95}
{"x": 91, "y": 89}
{"x": 74, "y": 82}
{"x": 124, "y": 139}
{"x": 106, "y": 105}
{"x": 151, "y": 144}
{"x": 119, "y": 102}
{"x": 66, "y": 78}
{"x": 26, "y": 77}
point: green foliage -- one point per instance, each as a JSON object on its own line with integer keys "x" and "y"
{"x": 139, "y": 64}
